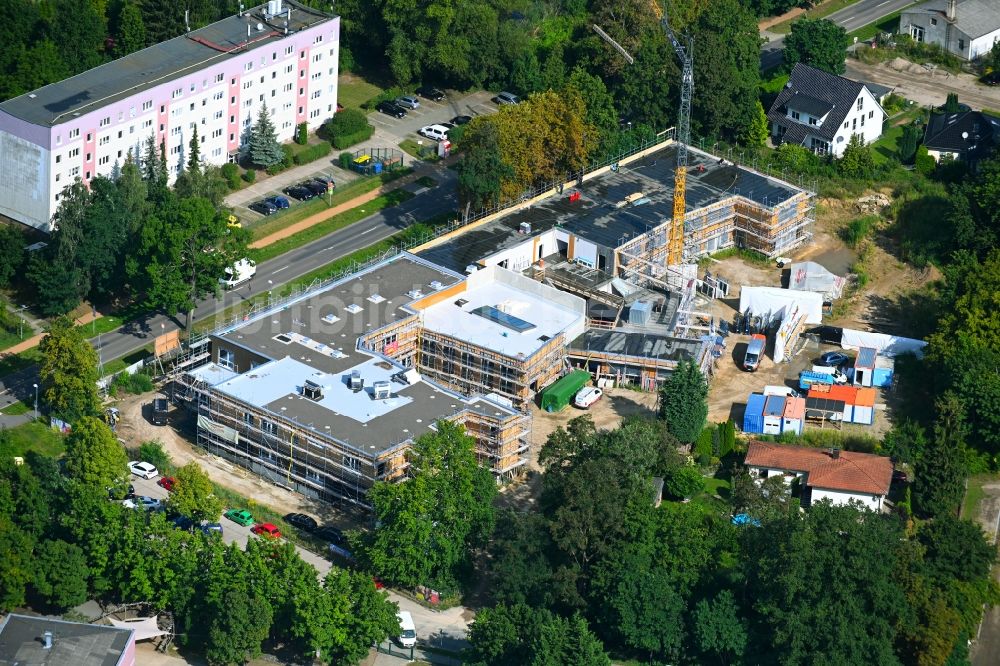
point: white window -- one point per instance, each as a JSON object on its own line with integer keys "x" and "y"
{"x": 146, "y": 124}
{"x": 302, "y": 55}
{"x": 75, "y": 171}
{"x": 218, "y": 78}
{"x": 246, "y": 122}
{"x": 301, "y": 110}
{"x": 854, "y": 124}
{"x": 287, "y": 106}
{"x": 192, "y": 87}
{"x": 316, "y": 94}
{"x": 87, "y": 176}
{"x": 268, "y": 427}
{"x": 232, "y": 100}
{"x": 288, "y": 69}
{"x": 88, "y": 158}
{"x": 248, "y": 418}
{"x": 319, "y": 39}
{"x": 286, "y": 124}
{"x": 261, "y": 98}
{"x": 861, "y": 103}
{"x": 871, "y": 114}
{"x": 288, "y": 50}
{"x": 232, "y": 82}
{"x": 74, "y": 134}
{"x": 862, "y": 121}
{"x": 218, "y": 115}
{"x": 248, "y": 103}
{"x": 274, "y": 75}
{"x": 316, "y": 75}
{"x": 58, "y": 159}
{"x": 314, "y": 113}
{"x": 74, "y": 153}
{"x": 121, "y": 116}
{"x": 217, "y": 133}
{"x": 175, "y": 131}
{"x": 227, "y": 359}
{"x": 216, "y": 152}
{"x": 247, "y": 67}
{"x": 58, "y": 176}
{"x": 302, "y": 73}
{"x": 287, "y": 88}
{"x": 131, "y": 129}
{"x": 59, "y": 139}
{"x": 175, "y": 150}
{"x": 350, "y": 462}
{"x": 247, "y": 85}
{"x": 795, "y": 115}
{"x": 147, "y": 105}
{"x": 104, "y": 160}
{"x": 217, "y": 96}
{"x": 933, "y": 21}
{"x": 103, "y": 141}
{"x": 177, "y": 93}
{"x": 302, "y": 91}
{"x": 105, "y": 121}
{"x": 317, "y": 57}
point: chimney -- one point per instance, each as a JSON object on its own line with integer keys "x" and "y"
{"x": 47, "y": 640}
{"x": 952, "y": 4}
{"x": 835, "y": 453}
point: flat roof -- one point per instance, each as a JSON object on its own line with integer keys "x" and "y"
{"x": 597, "y": 215}
{"x": 638, "y": 344}
{"x": 321, "y": 329}
{"x": 72, "y": 642}
{"x": 119, "y": 79}
{"x": 479, "y": 315}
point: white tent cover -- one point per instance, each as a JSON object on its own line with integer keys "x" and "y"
{"x": 810, "y": 276}
{"x": 782, "y": 303}
{"x": 144, "y": 627}
{"x": 887, "y": 345}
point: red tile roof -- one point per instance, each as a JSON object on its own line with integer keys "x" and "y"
{"x": 850, "y": 472}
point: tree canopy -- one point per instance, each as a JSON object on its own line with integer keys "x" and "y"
{"x": 819, "y": 43}
{"x": 68, "y": 371}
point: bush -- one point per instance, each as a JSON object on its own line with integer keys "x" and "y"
{"x": 231, "y": 173}
{"x": 250, "y": 175}
{"x": 924, "y": 162}
{"x": 703, "y": 447}
{"x": 302, "y": 134}
{"x": 859, "y": 229}
{"x": 288, "y": 158}
{"x": 683, "y": 482}
{"x": 727, "y": 438}
{"x": 152, "y": 452}
{"x": 313, "y": 153}
{"x": 345, "y": 160}
{"x": 346, "y": 140}
{"x": 347, "y": 121}
{"x": 135, "y": 384}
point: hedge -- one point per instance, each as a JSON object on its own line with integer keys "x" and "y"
{"x": 313, "y": 153}
{"x": 344, "y": 140}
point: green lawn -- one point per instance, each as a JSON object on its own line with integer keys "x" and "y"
{"x": 347, "y": 218}
{"x": 35, "y": 436}
{"x": 10, "y": 338}
{"x": 356, "y": 92}
{"x": 889, "y": 23}
{"x": 823, "y": 10}
{"x": 974, "y": 494}
{"x": 425, "y": 151}
{"x": 300, "y": 212}
{"x": 17, "y": 408}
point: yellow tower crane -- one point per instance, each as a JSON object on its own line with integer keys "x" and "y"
{"x": 675, "y": 239}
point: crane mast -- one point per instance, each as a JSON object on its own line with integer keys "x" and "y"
{"x": 675, "y": 239}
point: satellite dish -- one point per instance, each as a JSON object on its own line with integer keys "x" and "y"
{"x": 965, "y": 135}
{"x": 260, "y": 26}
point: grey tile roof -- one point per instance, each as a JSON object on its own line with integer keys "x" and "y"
{"x": 811, "y": 105}
{"x": 945, "y": 133}
{"x": 975, "y": 18}
{"x": 810, "y": 83}
{"x": 119, "y": 79}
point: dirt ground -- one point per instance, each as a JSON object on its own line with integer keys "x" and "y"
{"x": 135, "y": 428}
{"x": 926, "y": 87}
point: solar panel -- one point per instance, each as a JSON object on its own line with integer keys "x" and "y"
{"x": 502, "y": 318}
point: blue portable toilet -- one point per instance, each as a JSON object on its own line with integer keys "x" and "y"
{"x": 753, "y": 416}
{"x": 885, "y": 366}
{"x": 864, "y": 367}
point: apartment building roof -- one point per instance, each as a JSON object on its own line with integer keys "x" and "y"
{"x": 22, "y": 642}
{"x": 601, "y": 214}
{"x": 119, "y": 79}
{"x": 321, "y": 329}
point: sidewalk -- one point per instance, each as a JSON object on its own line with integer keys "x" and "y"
{"x": 33, "y": 341}
{"x": 339, "y": 208}
{"x": 258, "y": 189}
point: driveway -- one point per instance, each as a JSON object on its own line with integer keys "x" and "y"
{"x": 445, "y": 629}
{"x": 987, "y": 644}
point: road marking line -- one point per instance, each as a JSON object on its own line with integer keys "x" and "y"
{"x": 279, "y": 270}
{"x": 368, "y": 231}
{"x": 882, "y": 3}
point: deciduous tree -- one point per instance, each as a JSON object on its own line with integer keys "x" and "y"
{"x": 193, "y": 495}
{"x": 68, "y": 371}
{"x": 93, "y": 456}
{"x": 819, "y": 43}
{"x": 719, "y": 629}
{"x": 61, "y": 574}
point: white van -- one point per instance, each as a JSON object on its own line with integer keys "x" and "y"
{"x": 587, "y": 397}
{"x": 435, "y": 132}
{"x": 239, "y": 273}
{"x": 407, "y": 632}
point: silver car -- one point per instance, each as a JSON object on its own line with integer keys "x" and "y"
{"x": 505, "y": 98}
{"x": 143, "y": 502}
{"x": 408, "y": 102}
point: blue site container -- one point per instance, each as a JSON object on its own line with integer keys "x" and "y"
{"x": 753, "y": 416}
{"x": 807, "y": 379}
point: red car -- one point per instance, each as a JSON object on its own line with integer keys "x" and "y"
{"x": 167, "y": 482}
{"x": 266, "y": 529}
{"x": 379, "y": 585}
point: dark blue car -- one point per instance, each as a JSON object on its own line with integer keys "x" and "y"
{"x": 834, "y": 359}
{"x": 278, "y": 202}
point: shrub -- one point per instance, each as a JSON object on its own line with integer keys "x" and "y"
{"x": 250, "y": 175}
{"x": 231, "y": 173}
{"x": 924, "y": 162}
{"x": 302, "y": 134}
{"x": 288, "y": 158}
{"x": 347, "y": 121}
{"x": 727, "y": 438}
{"x": 859, "y": 229}
{"x": 345, "y": 140}
{"x": 152, "y": 452}
{"x": 682, "y": 482}
{"x": 345, "y": 160}
{"x": 313, "y": 153}
{"x": 135, "y": 384}
{"x": 703, "y": 447}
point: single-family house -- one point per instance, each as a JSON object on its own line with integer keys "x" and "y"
{"x": 839, "y": 476}
{"x": 966, "y": 28}
{"x": 967, "y": 136}
{"x": 822, "y": 111}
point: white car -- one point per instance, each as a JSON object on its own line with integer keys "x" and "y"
{"x": 435, "y": 132}
{"x": 142, "y": 469}
{"x": 587, "y": 397}
{"x": 143, "y": 502}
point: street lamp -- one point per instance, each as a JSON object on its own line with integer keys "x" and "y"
{"x": 36, "y": 401}
{"x": 269, "y": 285}
{"x": 20, "y": 325}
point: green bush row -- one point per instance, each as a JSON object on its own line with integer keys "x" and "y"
{"x": 135, "y": 384}
{"x": 344, "y": 140}
{"x": 313, "y": 153}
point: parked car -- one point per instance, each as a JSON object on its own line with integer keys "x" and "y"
{"x": 299, "y": 192}
{"x": 240, "y": 517}
{"x": 408, "y": 102}
{"x": 379, "y": 584}
{"x": 429, "y": 92}
{"x": 505, "y": 98}
{"x": 991, "y": 79}
{"x": 435, "y": 132}
{"x": 182, "y": 523}
{"x": 301, "y": 521}
{"x": 899, "y": 476}
{"x": 167, "y": 483}
{"x": 829, "y": 334}
{"x": 391, "y": 109}
{"x": 278, "y": 201}
{"x": 263, "y": 207}
{"x": 159, "y": 411}
{"x": 407, "y": 630}
{"x": 447, "y": 126}
{"x": 211, "y": 528}
{"x": 121, "y": 493}
{"x": 330, "y": 534}
{"x": 755, "y": 352}
{"x": 266, "y": 530}
{"x": 587, "y": 397}
{"x": 834, "y": 359}
{"x": 142, "y": 469}
{"x": 461, "y": 120}
{"x": 143, "y": 502}
{"x": 316, "y": 187}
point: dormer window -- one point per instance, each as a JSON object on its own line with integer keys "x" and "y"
{"x": 812, "y": 121}
{"x": 795, "y": 115}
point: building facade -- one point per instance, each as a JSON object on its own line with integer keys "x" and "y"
{"x": 213, "y": 81}
{"x": 967, "y": 29}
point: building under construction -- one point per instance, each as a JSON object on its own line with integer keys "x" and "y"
{"x": 326, "y": 392}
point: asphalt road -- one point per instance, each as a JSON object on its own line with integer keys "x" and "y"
{"x": 289, "y": 266}
{"x": 445, "y": 629}
{"x": 850, "y": 18}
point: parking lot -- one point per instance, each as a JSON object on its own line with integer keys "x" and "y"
{"x": 430, "y": 112}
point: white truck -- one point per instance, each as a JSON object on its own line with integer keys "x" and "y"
{"x": 238, "y": 273}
